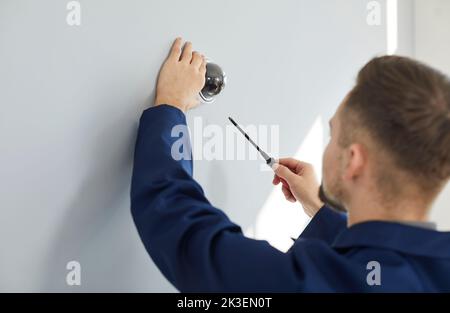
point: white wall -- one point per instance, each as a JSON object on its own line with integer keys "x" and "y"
{"x": 71, "y": 97}
{"x": 432, "y": 46}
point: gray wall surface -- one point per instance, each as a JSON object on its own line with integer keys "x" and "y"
{"x": 71, "y": 97}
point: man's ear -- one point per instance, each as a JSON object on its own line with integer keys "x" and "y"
{"x": 356, "y": 161}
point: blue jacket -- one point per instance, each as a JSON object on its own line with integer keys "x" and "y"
{"x": 198, "y": 249}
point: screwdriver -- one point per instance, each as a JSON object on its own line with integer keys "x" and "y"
{"x": 269, "y": 160}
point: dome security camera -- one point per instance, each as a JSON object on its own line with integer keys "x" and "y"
{"x": 215, "y": 81}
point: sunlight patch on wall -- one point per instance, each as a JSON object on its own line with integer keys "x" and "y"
{"x": 392, "y": 26}
{"x": 279, "y": 220}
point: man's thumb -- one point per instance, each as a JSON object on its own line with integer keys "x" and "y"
{"x": 282, "y": 171}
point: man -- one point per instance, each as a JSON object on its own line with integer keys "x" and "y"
{"x": 386, "y": 162}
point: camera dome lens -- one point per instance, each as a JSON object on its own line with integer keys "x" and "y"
{"x": 215, "y": 80}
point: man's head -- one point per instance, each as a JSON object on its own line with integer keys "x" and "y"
{"x": 390, "y": 137}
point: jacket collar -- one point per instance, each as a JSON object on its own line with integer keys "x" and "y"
{"x": 395, "y": 236}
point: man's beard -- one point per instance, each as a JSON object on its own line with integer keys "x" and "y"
{"x": 330, "y": 202}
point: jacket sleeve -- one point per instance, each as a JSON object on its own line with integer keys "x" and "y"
{"x": 193, "y": 243}
{"x": 325, "y": 225}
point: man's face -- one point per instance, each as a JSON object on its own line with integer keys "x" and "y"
{"x": 332, "y": 190}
